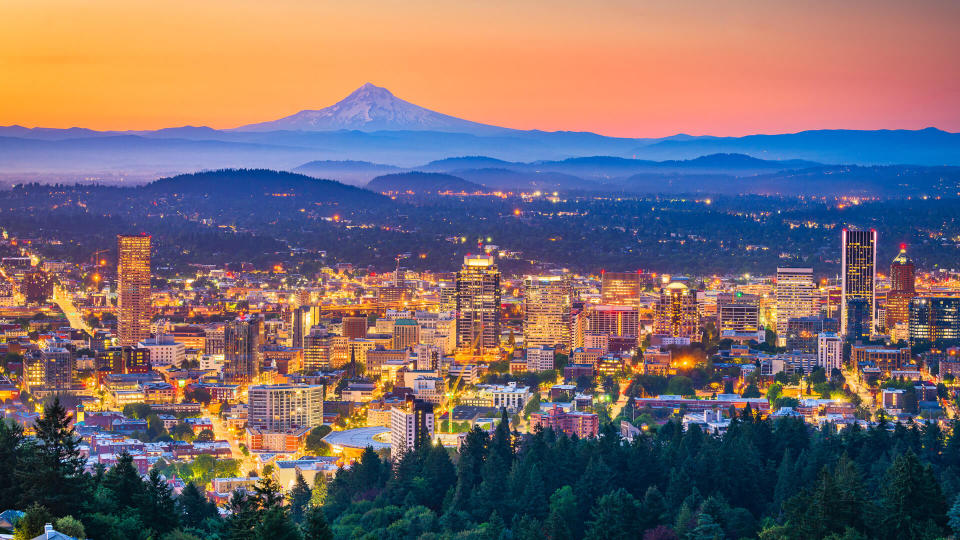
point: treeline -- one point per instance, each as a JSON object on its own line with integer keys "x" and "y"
{"x": 768, "y": 479}
{"x": 45, "y": 476}
{"x": 762, "y": 479}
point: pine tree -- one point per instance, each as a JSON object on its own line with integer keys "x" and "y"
{"x": 157, "y": 508}
{"x": 277, "y": 525}
{"x": 124, "y": 482}
{"x": 911, "y": 501}
{"x": 563, "y": 508}
{"x": 244, "y": 517}
{"x": 614, "y": 517}
{"x": 299, "y": 498}
{"x": 53, "y": 470}
{"x": 193, "y": 506}
{"x": 267, "y": 494}
{"x": 315, "y": 526}
{"x": 11, "y": 455}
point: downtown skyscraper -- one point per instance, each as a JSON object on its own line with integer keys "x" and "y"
{"x": 133, "y": 289}
{"x": 796, "y": 297}
{"x": 478, "y": 303}
{"x": 902, "y": 290}
{"x": 858, "y": 265}
{"x": 547, "y": 303}
{"x": 242, "y": 349}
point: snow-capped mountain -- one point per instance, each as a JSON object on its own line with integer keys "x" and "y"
{"x": 372, "y": 108}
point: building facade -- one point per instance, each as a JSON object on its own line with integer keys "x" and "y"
{"x": 478, "y": 303}
{"x": 858, "y": 265}
{"x": 547, "y": 305}
{"x": 796, "y": 296}
{"x": 133, "y": 289}
{"x": 285, "y": 407}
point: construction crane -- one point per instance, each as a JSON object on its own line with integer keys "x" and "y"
{"x": 396, "y": 272}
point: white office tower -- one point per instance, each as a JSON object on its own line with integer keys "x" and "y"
{"x": 829, "y": 351}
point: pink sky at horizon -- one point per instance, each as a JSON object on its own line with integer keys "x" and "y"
{"x": 640, "y": 68}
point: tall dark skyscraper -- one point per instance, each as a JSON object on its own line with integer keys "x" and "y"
{"x": 902, "y": 290}
{"x": 478, "y": 303}
{"x": 242, "y": 340}
{"x": 859, "y": 267}
{"x": 133, "y": 289}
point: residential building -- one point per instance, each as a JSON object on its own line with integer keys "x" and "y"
{"x": 285, "y": 407}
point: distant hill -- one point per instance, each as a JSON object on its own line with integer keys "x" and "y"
{"x": 465, "y": 162}
{"x": 500, "y": 178}
{"x": 232, "y": 184}
{"x": 422, "y": 182}
{"x": 929, "y": 146}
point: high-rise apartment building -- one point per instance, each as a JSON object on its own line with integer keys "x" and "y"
{"x": 858, "y": 265}
{"x": 547, "y": 303}
{"x": 796, "y": 297}
{"x": 829, "y": 351}
{"x": 133, "y": 289}
{"x": 478, "y": 303}
{"x": 242, "y": 344}
{"x": 411, "y": 424}
{"x": 902, "y": 290}
{"x": 676, "y": 312}
{"x": 620, "y": 288}
{"x": 285, "y": 407}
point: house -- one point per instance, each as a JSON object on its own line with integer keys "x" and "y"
{"x": 50, "y": 534}
{"x": 8, "y": 518}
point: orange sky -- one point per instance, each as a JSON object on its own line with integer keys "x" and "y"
{"x": 631, "y": 67}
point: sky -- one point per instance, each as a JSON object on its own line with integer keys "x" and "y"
{"x": 641, "y": 68}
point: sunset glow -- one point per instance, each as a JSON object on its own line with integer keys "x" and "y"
{"x": 631, "y": 68}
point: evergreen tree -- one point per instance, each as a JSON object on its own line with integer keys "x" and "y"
{"x": 315, "y": 525}
{"x": 244, "y": 517}
{"x": 52, "y": 473}
{"x": 267, "y": 494}
{"x": 194, "y": 507}
{"x": 563, "y": 508}
{"x": 299, "y": 498}
{"x": 11, "y": 455}
{"x": 157, "y": 508}
{"x": 277, "y": 525}
{"x": 124, "y": 482}
{"x": 911, "y": 502}
{"x": 614, "y": 517}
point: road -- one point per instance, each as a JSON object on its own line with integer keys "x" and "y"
{"x": 65, "y": 303}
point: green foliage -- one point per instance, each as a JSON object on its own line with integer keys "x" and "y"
{"x": 315, "y": 444}
{"x": 70, "y": 526}
{"x": 680, "y": 385}
{"x": 32, "y": 522}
